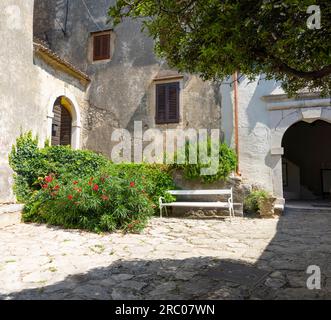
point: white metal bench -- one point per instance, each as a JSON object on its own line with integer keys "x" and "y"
{"x": 215, "y": 204}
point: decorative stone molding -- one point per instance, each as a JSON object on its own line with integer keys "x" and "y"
{"x": 285, "y": 112}
{"x": 304, "y": 100}
{"x": 307, "y": 107}
{"x": 311, "y": 114}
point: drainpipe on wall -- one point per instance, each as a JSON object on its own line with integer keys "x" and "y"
{"x": 236, "y": 120}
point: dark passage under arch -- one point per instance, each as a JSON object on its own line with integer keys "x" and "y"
{"x": 307, "y": 161}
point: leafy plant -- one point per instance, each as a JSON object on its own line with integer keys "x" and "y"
{"x": 216, "y": 38}
{"x": 227, "y": 162}
{"x": 81, "y": 189}
{"x": 29, "y": 162}
{"x": 156, "y": 178}
{"x": 253, "y": 200}
{"x": 97, "y": 203}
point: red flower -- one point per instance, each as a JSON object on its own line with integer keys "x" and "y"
{"x": 57, "y": 187}
{"x": 132, "y": 184}
{"x": 75, "y": 182}
{"x": 45, "y": 186}
{"x": 104, "y": 197}
{"x": 95, "y": 187}
{"x": 70, "y": 197}
{"x": 49, "y": 179}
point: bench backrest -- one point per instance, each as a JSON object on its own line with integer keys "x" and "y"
{"x": 200, "y": 192}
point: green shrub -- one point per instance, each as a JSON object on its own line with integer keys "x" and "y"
{"x": 251, "y": 202}
{"x": 29, "y": 162}
{"x": 227, "y": 164}
{"x": 56, "y": 185}
{"x": 157, "y": 178}
{"x": 98, "y": 203}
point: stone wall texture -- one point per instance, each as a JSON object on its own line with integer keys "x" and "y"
{"x": 122, "y": 89}
{"x": 121, "y": 92}
{"x": 28, "y": 87}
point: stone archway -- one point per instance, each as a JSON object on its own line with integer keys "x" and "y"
{"x": 70, "y": 104}
{"x": 284, "y": 117}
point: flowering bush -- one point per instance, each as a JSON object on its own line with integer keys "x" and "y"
{"x": 98, "y": 203}
{"x": 29, "y": 162}
{"x": 156, "y": 178}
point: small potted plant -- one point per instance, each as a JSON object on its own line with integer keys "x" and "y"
{"x": 260, "y": 202}
{"x": 267, "y": 206}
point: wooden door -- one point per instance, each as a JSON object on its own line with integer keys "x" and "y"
{"x": 61, "y": 126}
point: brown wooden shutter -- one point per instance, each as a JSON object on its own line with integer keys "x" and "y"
{"x": 160, "y": 104}
{"x": 167, "y": 103}
{"x": 173, "y": 102}
{"x": 101, "y": 47}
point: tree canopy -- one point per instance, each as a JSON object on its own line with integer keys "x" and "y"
{"x": 215, "y": 38}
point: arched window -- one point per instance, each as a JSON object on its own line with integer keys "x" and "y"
{"x": 62, "y": 124}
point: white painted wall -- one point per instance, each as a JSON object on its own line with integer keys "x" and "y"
{"x": 265, "y": 113}
{"x": 255, "y": 162}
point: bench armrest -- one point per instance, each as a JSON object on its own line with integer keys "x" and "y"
{"x": 160, "y": 201}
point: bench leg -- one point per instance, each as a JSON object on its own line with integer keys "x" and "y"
{"x": 160, "y": 211}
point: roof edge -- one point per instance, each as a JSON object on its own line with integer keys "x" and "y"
{"x": 55, "y": 60}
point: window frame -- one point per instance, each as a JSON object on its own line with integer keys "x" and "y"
{"x": 167, "y": 86}
{"x": 94, "y": 36}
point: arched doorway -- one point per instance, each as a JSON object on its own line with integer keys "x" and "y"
{"x": 68, "y": 103}
{"x": 61, "y": 123}
{"x": 306, "y": 162}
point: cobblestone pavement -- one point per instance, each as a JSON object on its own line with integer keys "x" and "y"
{"x": 172, "y": 259}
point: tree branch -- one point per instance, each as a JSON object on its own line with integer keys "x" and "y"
{"x": 307, "y": 75}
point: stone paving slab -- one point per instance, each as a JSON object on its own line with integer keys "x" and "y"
{"x": 171, "y": 259}
{"x": 10, "y": 214}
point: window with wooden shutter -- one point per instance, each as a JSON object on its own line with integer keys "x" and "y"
{"x": 101, "y": 46}
{"x": 167, "y": 103}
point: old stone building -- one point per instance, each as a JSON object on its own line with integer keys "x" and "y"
{"x": 69, "y": 77}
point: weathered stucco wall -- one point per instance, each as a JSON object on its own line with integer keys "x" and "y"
{"x": 28, "y": 86}
{"x": 122, "y": 89}
{"x": 256, "y": 163}
{"x": 18, "y": 83}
